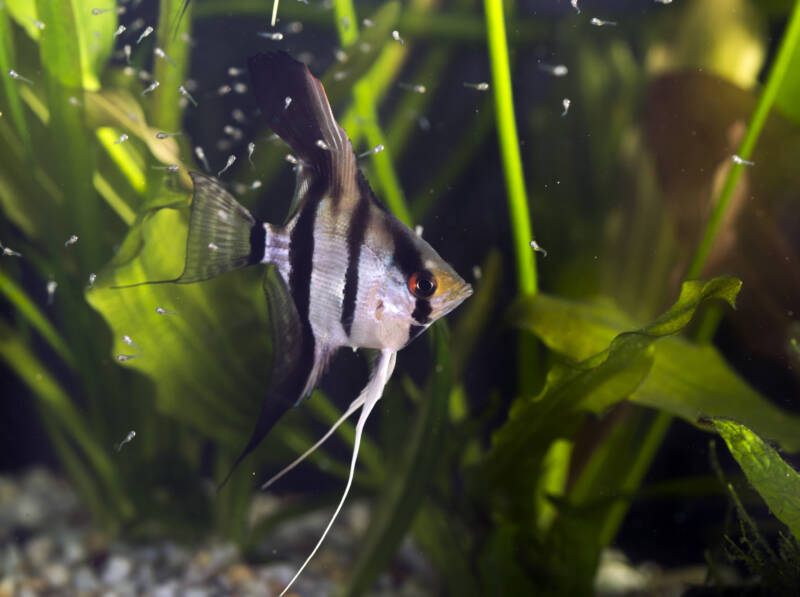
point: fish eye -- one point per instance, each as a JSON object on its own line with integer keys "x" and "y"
{"x": 422, "y": 284}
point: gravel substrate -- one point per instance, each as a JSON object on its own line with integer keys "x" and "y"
{"x": 49, "y": 547}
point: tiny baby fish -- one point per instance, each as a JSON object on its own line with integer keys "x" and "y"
{"x": 343, "y": 271}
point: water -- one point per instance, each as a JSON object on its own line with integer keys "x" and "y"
{"x": 620, "y": 189}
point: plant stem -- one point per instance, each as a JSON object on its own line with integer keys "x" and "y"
{"x": 509, "y": 146}
{"x": 765, "y": 102}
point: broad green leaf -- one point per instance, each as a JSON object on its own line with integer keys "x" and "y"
{"x": 407, "y": 483}
{"x": 534, "y": 423}
{"x": 686, "y": 380}
{"x": 203, "y": 378}
{"x": 776, "y": 482}
{"x": 693, "y": 381}
{"x": 119, "y": 109}
{"x": 77, "y": 40}
{"x": 500, "y": 569}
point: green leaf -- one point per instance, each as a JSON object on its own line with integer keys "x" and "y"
{"x": 534, "y": 423}
{"x": 788, "y": 98}
{"x": 28, "y": 309}
{"x": 76, "y": 43}
{"x": 776, "y": 482}
{"x": 25, "y": 14}
{"x": 203, "y": 378}
{"x": 63, "y": 416}
{"x": 686, "y": 380}
{"x": 10, "y": 86}
{"x": 410, "y": 479}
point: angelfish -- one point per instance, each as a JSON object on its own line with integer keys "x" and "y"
{"x": 342, "y": 272}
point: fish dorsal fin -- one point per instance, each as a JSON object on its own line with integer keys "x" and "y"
{"x": 294, "y": 104}
{"x": 293, "y": 361}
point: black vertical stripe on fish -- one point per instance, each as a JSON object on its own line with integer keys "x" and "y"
{"x": 258, "y": 245}
{"x": 301, "y": 259}
{"x": 406, "y": 255}
{"x": 422, "y": 311}
{"x": 355, "y": 240}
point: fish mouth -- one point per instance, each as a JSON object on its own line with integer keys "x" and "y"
{"x": 455, "y": 298}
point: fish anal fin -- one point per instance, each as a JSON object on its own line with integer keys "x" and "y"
{"x": 294, "y": 366}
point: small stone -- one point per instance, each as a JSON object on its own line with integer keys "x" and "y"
{"x": 145, "y": 575}
{"x": 167, "y": 589}
{"x": 57, "y": 575}
{"x": 116, "y": 570}
{"x": 7, "y": 587}
{"x": 85, "y": 580}
{"x": 223, "y": 555}
{"x": 175, "y": 555}
{"x": 30, "y": 511}
{"x": 358, "y": 517}
{"x": 72, "y": 549}
{"x": 239, "y": 574}
{"x": 38, "y": 551}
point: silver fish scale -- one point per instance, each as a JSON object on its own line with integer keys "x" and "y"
{"x": 329, "y": 267}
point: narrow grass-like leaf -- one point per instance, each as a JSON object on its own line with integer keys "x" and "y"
{"x": 776, "y": 482}
{"x": 25, "y": 14}
{"x": 447, "y": 550}
{"x": 76, "y": 43}
{"x": 408, "y": 482}
{"x": 53, "y": 399}
{"x": 28, "y": 309}
{"x": 165, "y": 106}
{"x": 509, "y": 146}
{"x": 11, "y": 86}
{"x": 456, "y": 26}
{"x": 365, "y": 105}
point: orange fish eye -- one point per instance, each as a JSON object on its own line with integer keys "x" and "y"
{"x": 422, "y": 284}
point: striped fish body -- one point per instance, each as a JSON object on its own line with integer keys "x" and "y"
{"x": 342, "y": 272}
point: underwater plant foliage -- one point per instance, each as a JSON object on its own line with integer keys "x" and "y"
{"x": 514, "y": 439}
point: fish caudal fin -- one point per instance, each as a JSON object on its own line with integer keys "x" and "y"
{"x": 223, "y": 236}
